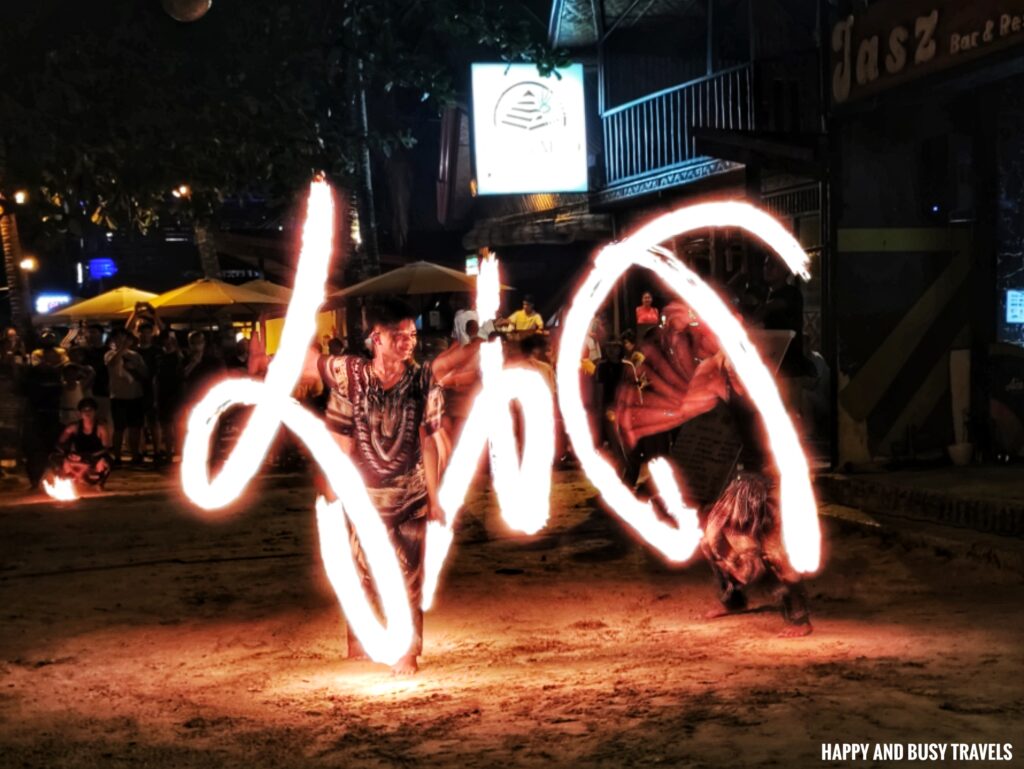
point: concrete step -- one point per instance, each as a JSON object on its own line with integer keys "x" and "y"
{"x": 985, "y": 499}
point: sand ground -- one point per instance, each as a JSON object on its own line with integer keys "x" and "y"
{"x": 135, "y": 634}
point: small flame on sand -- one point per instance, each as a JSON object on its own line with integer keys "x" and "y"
{"x": 62, "y": 489}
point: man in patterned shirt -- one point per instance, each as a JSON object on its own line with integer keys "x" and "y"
{"x": 386, "y": 414}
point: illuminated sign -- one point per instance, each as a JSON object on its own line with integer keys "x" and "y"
{"x": 1014, "y": 306}
{"x": 888, "y": 44}
{"x": 529, "y": 132}
{"x": 522, "y": 482}
{"x": 48, "y": 302}
{"x": 102, "y": 267}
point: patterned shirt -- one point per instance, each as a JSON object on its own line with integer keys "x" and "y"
{"x": 384, "y": 424}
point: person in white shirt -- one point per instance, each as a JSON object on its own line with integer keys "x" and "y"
{"x": 462, "y": 317}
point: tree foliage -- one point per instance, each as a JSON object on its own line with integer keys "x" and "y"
{"x": 109, "y": 105}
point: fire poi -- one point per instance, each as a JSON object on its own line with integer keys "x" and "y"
{"x": 522, "y": 485}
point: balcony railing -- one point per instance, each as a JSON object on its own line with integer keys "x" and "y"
{"x": 653, "y": 134}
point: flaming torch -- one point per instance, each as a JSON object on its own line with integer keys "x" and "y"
{"x": 62, "y": 489}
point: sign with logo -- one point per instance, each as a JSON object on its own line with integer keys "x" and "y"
{"x": 529, "y": 132}
{"x": 895, "y": 42}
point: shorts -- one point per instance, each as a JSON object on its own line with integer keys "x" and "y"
{"x": 127, "y": 412}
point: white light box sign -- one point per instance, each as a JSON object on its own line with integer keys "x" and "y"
{"x": 529, "y": 132}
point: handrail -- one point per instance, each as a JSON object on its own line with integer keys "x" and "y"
{"x": 653, "y": 134}
{"x": 680, "y": 86}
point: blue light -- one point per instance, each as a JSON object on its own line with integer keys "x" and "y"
{"x": 935, "y": 209}
{"x": 103, "y": 267}
{"x": 48, "y": 302}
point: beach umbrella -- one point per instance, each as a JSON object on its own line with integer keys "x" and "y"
{"x": 110, "y": 305}
{"x": 276, "y": 290}
{"x": 415, "y": 278}
{"x": 209, "y": 297}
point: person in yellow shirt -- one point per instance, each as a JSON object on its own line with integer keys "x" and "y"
{"x": 527, "y": 318}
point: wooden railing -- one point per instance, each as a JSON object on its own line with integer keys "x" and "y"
{"x": 653, "y": 134}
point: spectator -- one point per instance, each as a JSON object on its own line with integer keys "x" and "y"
{"x": 42, "y": 421}
{"x": 463, "y": 316}
{"x": 76, "y": 378}
{"x": 202, "y": 367}
{"x": 169, "y": 386}
{"x": 12, "y": 409}
{"x": 535, "y": 356}
{"x": 149, "y": 349}
{"x": 527, "y": 318}
{"x": 127, "y": 373}
{"x": 82, "y": 450}
{"x": 49, "y": 348}
{"x": 15, "y": 347}
{"x": 95, "y": 358}
{"x": 647, "y": 315}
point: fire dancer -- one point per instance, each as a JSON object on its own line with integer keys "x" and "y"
{"x": 743, "y": 544}
{"x": 385, "y": 413}
{"x": 82, "y": 452}
{"x": 689, "y": 375}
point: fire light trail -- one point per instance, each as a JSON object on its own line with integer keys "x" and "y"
{"x": 523, "y": 487}
{"x": 274, "y": 406}
{"x": 801, "y": 533}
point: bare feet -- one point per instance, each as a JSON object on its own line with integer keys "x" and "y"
{"x": 796, "y": 631}
{"x": 406, "y": 666}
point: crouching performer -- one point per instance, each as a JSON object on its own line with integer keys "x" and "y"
{"x": 689, "y": 375}
{"x": 385, "y": 413}
{"x": 82, "y": 454}
{"x": 743, "y": 544}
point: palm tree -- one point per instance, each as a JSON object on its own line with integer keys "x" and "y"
{"x": 12, "y": 253}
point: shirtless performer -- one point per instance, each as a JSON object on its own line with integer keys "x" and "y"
{"x": 385, "y": 413}
{"x": 688, "y": 375}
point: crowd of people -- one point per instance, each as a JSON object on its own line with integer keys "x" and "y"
{"x": 104, "y": 397}
{"x": 135, "y": 380}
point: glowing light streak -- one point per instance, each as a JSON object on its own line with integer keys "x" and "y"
{"x": 62, "y": 489}
{"x": 801, "y": 534}
{"x": 274, "y": 407}
{"x": 523, "y": 486}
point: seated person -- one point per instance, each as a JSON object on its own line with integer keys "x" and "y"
{"x": 82, "y": 451}
{"x": 525, "y": 321}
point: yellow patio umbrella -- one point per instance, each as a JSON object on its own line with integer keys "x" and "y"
{"x": 209, "y": 296}
{"x": 106, "y": 306}
{"x": 276, "y": 290}
{"x": 415, "y": 278}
